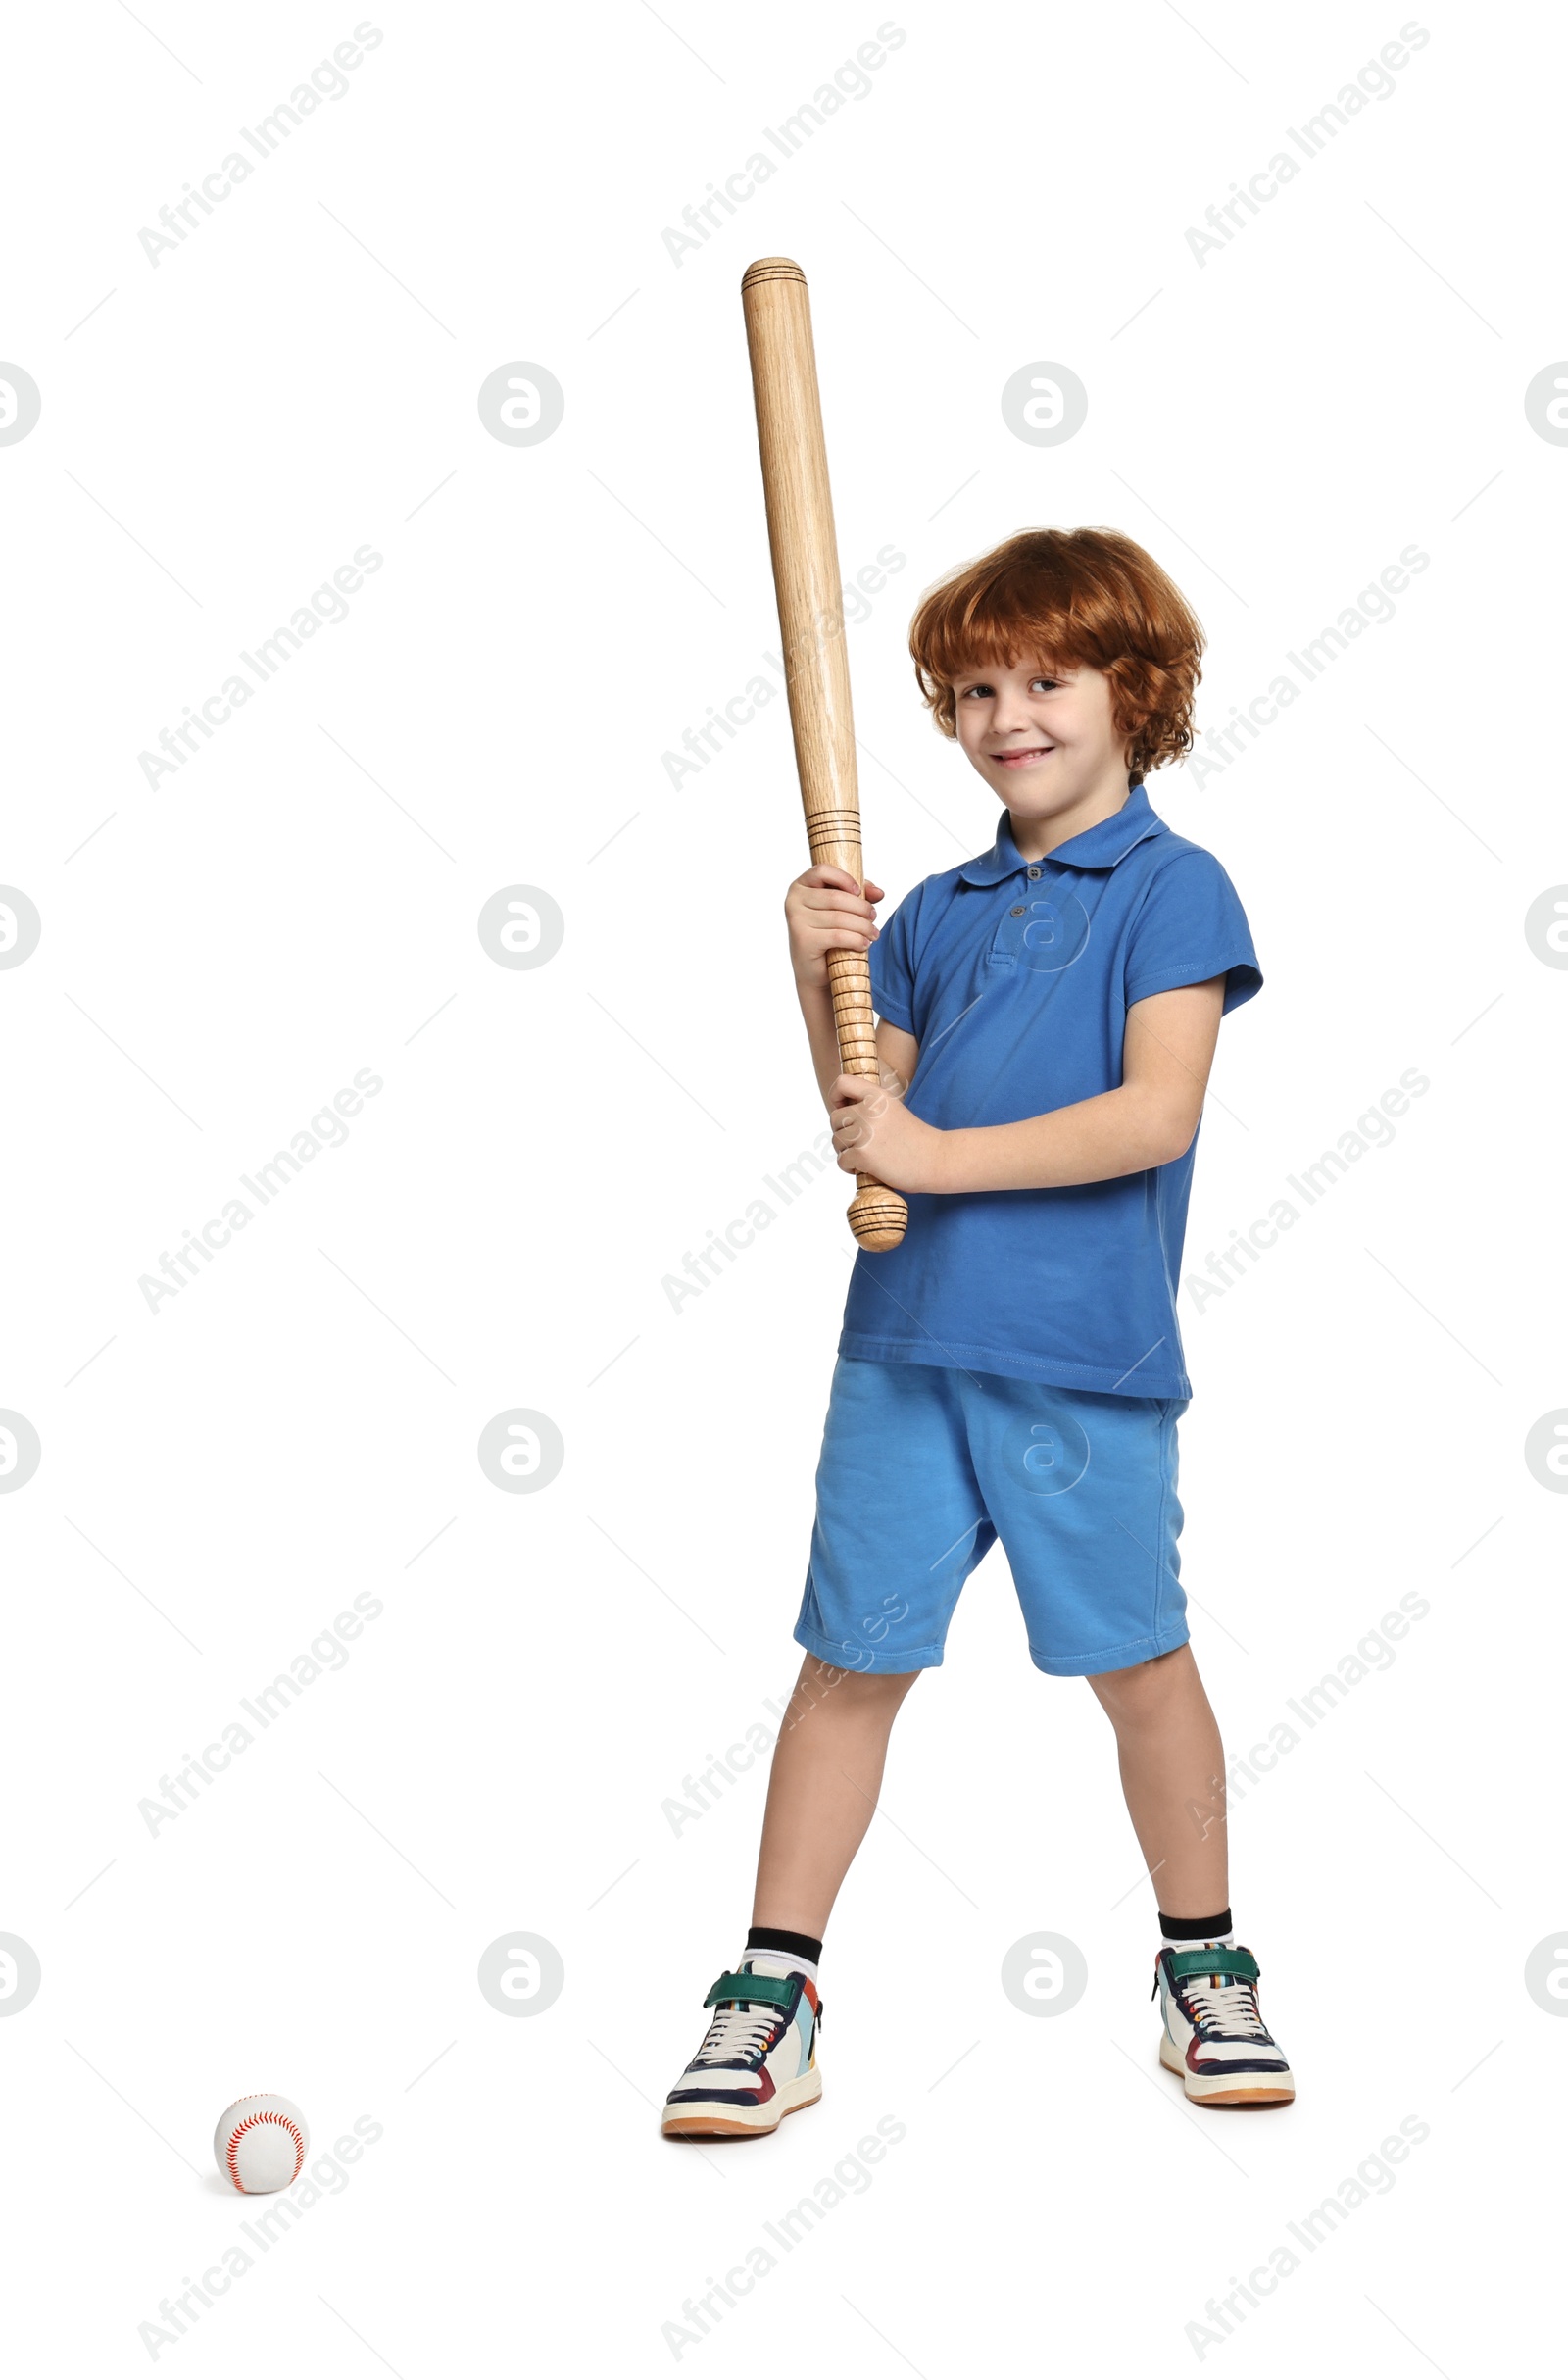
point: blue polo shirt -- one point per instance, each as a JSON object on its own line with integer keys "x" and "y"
{"x": 1016, "y": 977}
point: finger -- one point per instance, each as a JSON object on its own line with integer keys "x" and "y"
{"x": 875, "y": 892}
{"x": 838, "y": 877}
{"x": 834, "y": 897}
{"x": 843, "y": 933}
{"x": 828, "y": 913}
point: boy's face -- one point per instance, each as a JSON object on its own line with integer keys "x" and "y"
{"x": 1041, "y": 738}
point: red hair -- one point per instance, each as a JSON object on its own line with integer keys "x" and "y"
{"x": 1083, "y": 599}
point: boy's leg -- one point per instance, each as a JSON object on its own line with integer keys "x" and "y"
{"x": 1172, "y": 1773}
{"x": 900, "y": 1525}
{"x": 822, "y": 1790}
{"x": 757, "y": 2061}
{"x": 1173, "y": 1778}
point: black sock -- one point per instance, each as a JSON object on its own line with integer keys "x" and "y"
{"x": 1195, "y": 1929}
{"x": 775, "y": 1938}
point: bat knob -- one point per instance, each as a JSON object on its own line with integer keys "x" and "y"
{"x": 878, "y": 1218}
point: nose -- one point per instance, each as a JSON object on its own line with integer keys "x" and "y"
{"x": 1010, "y": 716}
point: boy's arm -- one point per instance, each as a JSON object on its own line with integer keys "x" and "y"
{"x": 1149, "y": 1119}
{"x": 898, "y": 1054}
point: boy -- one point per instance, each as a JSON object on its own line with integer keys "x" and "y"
{"x": 1047, "y": 1017}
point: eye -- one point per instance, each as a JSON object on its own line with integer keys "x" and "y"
{"x": 977, "y": 689}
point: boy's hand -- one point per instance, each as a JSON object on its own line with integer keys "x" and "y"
{"x": 874, "y": 1132}
{"x": 827, "y": 912}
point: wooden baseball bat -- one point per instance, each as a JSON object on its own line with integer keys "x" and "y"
{"x": 817, "y": 669}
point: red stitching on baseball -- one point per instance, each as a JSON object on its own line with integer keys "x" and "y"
{"x": 265, "y": 2117}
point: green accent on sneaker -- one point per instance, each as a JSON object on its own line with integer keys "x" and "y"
{"x": 776, "y": 1991}
{"x": 1212, "y": 1961}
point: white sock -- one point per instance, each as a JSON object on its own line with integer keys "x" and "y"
{"x": 778, "y": 1962}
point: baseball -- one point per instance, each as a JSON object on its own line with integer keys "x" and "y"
{"x": 260, "y": 2143}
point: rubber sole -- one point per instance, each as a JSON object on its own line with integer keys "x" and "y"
{"x": 698, "y": 2121}
{"x": 1260, "y": 2094}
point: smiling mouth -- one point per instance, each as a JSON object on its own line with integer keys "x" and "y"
{"x": 1019, "y": 759}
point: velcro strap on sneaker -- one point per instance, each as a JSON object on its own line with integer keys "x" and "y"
{"x": 1241, "y": 1965}
{"x": 776, "y": 1991}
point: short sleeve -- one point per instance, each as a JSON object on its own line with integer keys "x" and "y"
{"x": 1190, "y": 927}
{"x": 893, "y": 965}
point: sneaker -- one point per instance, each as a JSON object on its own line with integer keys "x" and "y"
{"x": 757, "y": 2063}
{"x": 1214, "y": 2038}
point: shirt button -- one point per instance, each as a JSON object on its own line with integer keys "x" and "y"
{"x": 1033, "y": 872}
{"x": 1017, "y": 913}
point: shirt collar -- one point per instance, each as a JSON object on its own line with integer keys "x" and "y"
{"x": 1098, "y": 845}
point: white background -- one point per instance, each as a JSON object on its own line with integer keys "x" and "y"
{"x": 220, "y": 953}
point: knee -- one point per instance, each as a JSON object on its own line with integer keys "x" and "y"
{"x": 1130, "y": 1695}
{"x": 851, "y": 1689}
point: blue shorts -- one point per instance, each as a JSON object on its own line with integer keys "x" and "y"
{"x": 925, "y": 1467}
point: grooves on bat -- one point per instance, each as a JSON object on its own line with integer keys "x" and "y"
{"x": 878, "y": 1218}
{"x": 771, "y": 269}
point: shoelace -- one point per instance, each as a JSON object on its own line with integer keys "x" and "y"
{"x": 736, "y": 2037}
{"x": 1230, "y": 2008}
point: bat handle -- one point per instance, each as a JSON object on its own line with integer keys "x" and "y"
{"x": 879, "y": 1216}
